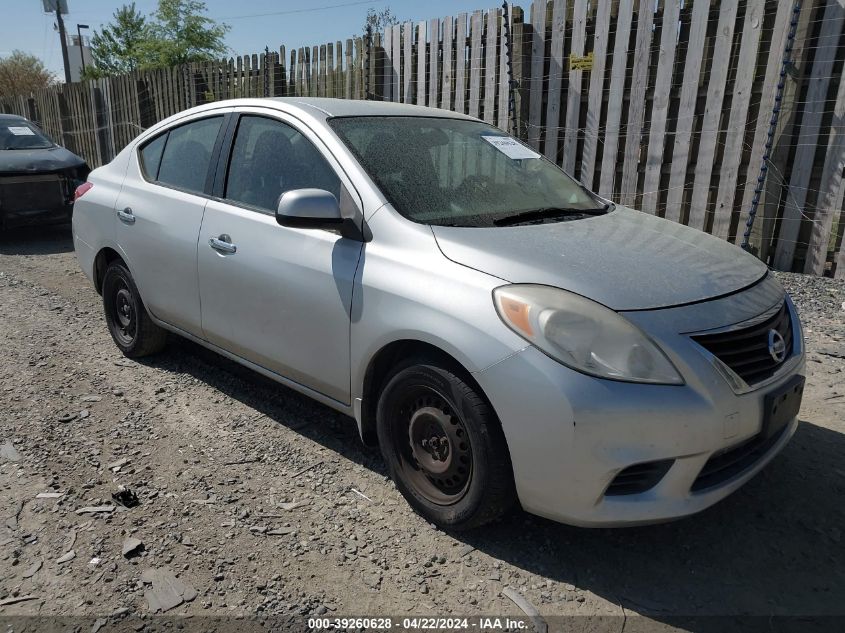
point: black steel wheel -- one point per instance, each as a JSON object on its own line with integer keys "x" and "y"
{"x": 444, "y": 447}
{"x": 436, "y": 454}
{"x": 129, "y": 324}
{"x": 123, "y": 315}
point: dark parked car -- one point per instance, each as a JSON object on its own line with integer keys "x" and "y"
{"x": 37, "y": 177}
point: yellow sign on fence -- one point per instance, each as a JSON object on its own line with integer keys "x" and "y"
{"x": 581, "y": 62}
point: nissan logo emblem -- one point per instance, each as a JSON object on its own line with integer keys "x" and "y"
{"x": 777, "y": 346}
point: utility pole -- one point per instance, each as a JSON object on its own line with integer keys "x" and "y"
{"x": 63, "y": 37}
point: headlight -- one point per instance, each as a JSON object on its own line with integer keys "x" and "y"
{"x": 583, "y": 334}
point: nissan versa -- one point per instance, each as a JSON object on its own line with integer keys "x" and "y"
{"x": 503, "y": 334}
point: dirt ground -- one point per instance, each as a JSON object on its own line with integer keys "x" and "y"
{"x": 263, "y": 502}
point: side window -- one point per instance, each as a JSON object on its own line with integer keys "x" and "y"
{"x": 187, "y": 154}
{"x": 150, "y": 156}
{"x": 269, "y": 158}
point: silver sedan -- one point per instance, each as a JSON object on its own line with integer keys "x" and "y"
{"x": 503, "y": 334}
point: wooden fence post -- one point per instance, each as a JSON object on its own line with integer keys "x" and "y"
{"x": 408, "y": 62}
{"x": 831, "y": 185}
{"x": 613, "y": 124}
{"x": 660, "y": 106}
{"x": 519, "y": 48}
{"x": 448, "y": 62}
{"x": 460, "y": 63}
{"x": 396, "y": 64}
{"x": 434, "y": 63}
{"x": 386, "y": 80}
{"x": 710, "y": 133}
{"x": 475, "y": 61}
{"x": 377, "y": 68}
{"x": 802, "y": 165}
{"x": 573, "y": 94}
{"x": 491, "y": 39}
{"x": 554, "y": 98}
{"x": 686, "y": 112}
{"x": 538, "y": 58}
{"x": 505, "y": 33}
{"x": 596, "y": 93}
{"x": 636, "y": 103}
{"x": 734, "y": 139}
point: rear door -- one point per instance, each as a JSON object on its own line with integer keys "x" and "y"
{"x": 278, "y": 296}
{"x": 159, "y": 213}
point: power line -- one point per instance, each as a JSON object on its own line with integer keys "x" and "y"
{"x": 294, "y": 11}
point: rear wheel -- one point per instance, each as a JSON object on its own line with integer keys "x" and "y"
{"x": 129, "y": 324}
{"x": 444, "y": 447}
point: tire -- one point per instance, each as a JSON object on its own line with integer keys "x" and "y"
{"x": 444, "y": 447}
{"x": 130, "y": 326}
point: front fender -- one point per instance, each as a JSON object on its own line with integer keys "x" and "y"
{"x": 406, "y": 289}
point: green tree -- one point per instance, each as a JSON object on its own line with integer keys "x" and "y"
{"x": 377, "y": 20}
{"x": 180, "y": 32}
{"x": 22, "y": 73}
{"x": 176, "y": 33}
{"x": 116, "y": 48}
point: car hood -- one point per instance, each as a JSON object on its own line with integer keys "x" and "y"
{"x": 626, "y": 259}
{"x": 38, "y": 160}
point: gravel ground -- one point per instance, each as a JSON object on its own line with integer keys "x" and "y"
{"x": 256, "y": 500}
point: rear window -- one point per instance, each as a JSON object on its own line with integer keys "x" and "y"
{"x": 181, "y": 157}
{"x": 22, "y": 134}
{"x": 150, "y": 156}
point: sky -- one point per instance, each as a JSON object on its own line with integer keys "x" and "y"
{"x": 254, "y": 23}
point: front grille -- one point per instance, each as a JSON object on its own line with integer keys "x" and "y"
{"x": 746, "y": 350}
{"x": 638, "y": 478}
{"x": 722, "y": 466}
{"x": 32, "y": 193}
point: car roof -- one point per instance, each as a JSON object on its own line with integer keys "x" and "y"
{"x": 324, "y": 107}
{"x": 11, "y": 117}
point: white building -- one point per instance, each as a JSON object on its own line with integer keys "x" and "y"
{"x": 76, "y": 54}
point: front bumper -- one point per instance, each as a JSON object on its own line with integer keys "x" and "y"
{"x": 570, "y": 435}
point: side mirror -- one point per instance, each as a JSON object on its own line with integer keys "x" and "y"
{"x": 309, "y": 208}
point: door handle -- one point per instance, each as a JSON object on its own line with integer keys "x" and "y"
{"x": 222, "y": 244}
{"x": 126, "y": 215}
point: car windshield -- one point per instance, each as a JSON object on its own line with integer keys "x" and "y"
{"x": 22, "y": 135}
{"x": 455, "y": 172}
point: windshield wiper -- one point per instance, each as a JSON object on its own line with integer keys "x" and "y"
{"x": 546, "y": 213}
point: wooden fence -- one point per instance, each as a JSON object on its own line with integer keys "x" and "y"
{"x": 664, "y": 105}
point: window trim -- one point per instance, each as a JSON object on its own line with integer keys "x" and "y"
{"x": 221, "y": 175}
{"x": 224, "y": 165}
{"x": 143, "y": 146}
{"x": 212, "y": 163}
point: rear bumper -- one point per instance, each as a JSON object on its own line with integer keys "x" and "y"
{"x": 29, "y": 217}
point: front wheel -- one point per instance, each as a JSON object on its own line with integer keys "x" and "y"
{"x": 130, "y": 326}
{"x": 444, "y": 447}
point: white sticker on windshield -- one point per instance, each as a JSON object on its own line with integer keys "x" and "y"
{"x": 21, "y": 131}
{"x": 510, "y": 147}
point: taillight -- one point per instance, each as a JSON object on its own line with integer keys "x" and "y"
{"x": 81, "y": 190}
